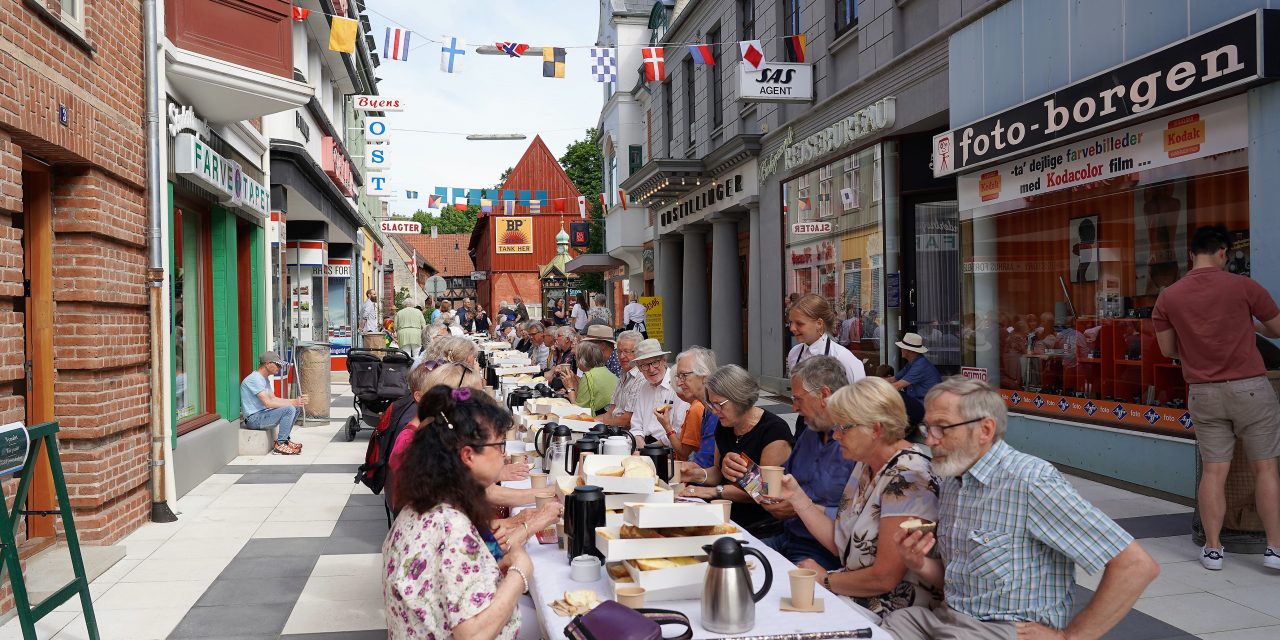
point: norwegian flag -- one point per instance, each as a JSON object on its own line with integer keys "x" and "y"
{"x": 513, "y": 49}
{"x": 300, "y": 14}
{"x": 655, "y": 69}
{"x": 396, "y": 45}
{"x": 582, "y": 206}
{"x": 752, "y": 54}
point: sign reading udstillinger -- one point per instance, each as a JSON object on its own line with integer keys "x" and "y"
{"x": 513, "y": 235}
{"x": 1196, "y": 133}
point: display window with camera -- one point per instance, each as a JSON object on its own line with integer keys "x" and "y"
{"x": 1064, "y": 252}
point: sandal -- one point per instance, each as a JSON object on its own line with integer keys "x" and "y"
{"x": 284, "y": 449}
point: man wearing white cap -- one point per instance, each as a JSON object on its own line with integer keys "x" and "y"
{"x": 656, "y": 395}
{"x": 919, "y": 375}
{"x": 261, "y": 409}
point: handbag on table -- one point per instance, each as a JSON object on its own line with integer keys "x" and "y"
{"x": 613, "y": 621}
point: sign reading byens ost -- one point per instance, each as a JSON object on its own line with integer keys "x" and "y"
{"x": 776, "y": 82}
{"x": 513, "y": 235}
{"x": 1213, "y": 61}
{"x": 194, "y": 160}
{"x": 377, "y": 103}
{"x": 400, "y": 226}
{"x": 1196, "y": 133}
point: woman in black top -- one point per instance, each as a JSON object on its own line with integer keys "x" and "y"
{"x": 745, "y": 429}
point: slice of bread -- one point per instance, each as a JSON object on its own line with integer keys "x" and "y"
{"x": 916, "y": 524}
{"x": 612, "y": 472}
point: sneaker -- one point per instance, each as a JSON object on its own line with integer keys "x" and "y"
{"x": 1271, "y": 559}
{"x": 284, "y": 449}
{"x": 1211, "y": 558}
{"x": 295, "y": 445}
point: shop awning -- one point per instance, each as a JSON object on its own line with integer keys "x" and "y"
{"x": 593, "y": 263}
{"x": 225, "y": 92}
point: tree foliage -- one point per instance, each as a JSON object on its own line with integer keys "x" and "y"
{"x": 450, "y": 220}
{"x": 583, "y": 161}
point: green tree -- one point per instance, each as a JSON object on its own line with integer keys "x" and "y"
{"x": 583, "y": 161}
{"x": 506, "y": 173}
{"x": 450, "y": 220}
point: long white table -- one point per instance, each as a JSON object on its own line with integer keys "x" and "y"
{"x": 550, "y": 580}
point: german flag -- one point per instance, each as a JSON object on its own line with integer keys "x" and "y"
{"x": 796, "y": 47}
{"x": 552, "y": 62}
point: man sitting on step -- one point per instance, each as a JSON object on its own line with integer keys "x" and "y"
{"x": 261, "y": 409}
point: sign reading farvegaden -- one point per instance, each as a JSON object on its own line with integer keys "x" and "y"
{"x": 1212, "y": 62}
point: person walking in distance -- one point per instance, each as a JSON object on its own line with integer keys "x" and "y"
{"x": 369, "y": 312}
{"x": 262, "y": 409}
{"x": 1208, "y": 320}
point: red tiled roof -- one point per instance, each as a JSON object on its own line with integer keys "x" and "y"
{"x": 447, "y": 253}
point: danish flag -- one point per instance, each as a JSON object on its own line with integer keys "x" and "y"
{"x": 655, "y": 69}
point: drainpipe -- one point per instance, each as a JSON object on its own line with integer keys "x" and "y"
{"x": 160, "y": 511}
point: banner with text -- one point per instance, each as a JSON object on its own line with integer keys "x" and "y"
{"x": 1196, "y": 133}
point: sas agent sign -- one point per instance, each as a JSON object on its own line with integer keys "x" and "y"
{"x": 776, "y": 82}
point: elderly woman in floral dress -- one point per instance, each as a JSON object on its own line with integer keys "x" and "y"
{"x": 441, "y": 579}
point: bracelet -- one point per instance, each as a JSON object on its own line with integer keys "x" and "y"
{"x": 526, "y": 529}
{"x": 706, "y": 476}
{"x": 522, "y": 577}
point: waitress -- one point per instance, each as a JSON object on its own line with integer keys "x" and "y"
{"x": 812, "y": 322}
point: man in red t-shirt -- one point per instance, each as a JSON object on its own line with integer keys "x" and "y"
{"x": 1208, "y": 320}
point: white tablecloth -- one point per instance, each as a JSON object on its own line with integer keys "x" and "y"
{"x": 550, "y": 580}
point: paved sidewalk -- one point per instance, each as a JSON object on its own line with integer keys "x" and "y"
{"x": 288, "y": 547}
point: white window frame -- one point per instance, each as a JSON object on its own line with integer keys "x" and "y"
{"x": 72, "y": 14}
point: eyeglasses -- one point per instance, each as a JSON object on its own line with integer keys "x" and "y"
{"x": 502, "y": 446}
{"x": 684, "y": 375}
{"x": 842, "y": 429}
{"x": 652, "y": 365}
{"x": 935, "y": 431}
{"x": 717, "y": 406}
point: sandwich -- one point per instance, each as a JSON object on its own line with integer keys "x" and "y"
{"x": 916, "y": 524}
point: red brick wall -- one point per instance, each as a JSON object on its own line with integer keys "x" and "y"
{"x": 101, "y": 387}
{"x": 507, "y": 285}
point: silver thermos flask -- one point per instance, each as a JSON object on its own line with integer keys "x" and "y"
{"x": 728, "y": 604}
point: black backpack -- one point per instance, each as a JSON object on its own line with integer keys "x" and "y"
{"x": 375, "y": 470}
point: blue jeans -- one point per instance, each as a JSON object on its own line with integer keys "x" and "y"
{"x": 796, "y": 549}
{"x": 267, "y": 418}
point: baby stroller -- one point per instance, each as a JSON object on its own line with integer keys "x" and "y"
{"x": 376, "y": 382}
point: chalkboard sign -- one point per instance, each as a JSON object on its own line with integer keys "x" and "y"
{"x": 14, "y": 444}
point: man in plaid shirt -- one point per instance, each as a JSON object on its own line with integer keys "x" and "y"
{"x": 1010, "y": 532}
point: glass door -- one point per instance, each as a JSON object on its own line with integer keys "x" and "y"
{"x": 932, "y": 293}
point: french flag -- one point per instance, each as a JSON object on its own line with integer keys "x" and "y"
{"x": 396, "y": 45}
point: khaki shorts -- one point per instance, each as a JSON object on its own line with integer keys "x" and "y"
{"x": 944, "y": 623}
{"x": 1246, "y": 410}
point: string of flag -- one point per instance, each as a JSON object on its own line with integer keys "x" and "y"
{"x": 602, "y": 61}
{"x": 505, "y": 201}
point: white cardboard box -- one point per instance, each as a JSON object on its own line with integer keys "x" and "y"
{"x": 494, "y": 346}
{"x": 661, "y": 494}
{"x": 612, "y": 484}
{"x": 686, "y": 592}
{"x": 673, "y": 578}
{"x": 512, "y": 371}
{"x": 609, "y": 541}
{"x": 581, "y": 426}
{"x": 677, "y": 514}
{"x": 548, "y": 405}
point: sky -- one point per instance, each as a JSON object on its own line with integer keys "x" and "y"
{"x": 490, "y": 94}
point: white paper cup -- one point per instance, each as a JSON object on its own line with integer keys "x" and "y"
{"x": 802, "y": 581}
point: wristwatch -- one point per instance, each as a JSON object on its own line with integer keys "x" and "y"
{"x": 719, "y": 491}
{"x": 826, "y": 581}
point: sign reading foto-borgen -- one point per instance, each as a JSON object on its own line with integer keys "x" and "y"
{"x": 1212, "y": 62}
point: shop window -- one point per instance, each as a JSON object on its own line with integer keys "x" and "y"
{"x": 1058, "y": 290}
{"x": 835, "y": 248}
{"x": 193, "y": 375}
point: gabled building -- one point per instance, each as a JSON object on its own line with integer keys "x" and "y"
{"x": 510, "y": 250}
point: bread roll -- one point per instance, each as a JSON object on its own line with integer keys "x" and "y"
{"x": 618, "y": 572}
{"x": 612, "y": 472}
{"x": 916, "y": 524}
{"x": 640, "y": 471}
{"x": 654, "y": 564}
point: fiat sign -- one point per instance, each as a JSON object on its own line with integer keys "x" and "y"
{"x": 400, "y": 226}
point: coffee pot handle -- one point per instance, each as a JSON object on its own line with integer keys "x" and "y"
{"x": 768, "y": 573}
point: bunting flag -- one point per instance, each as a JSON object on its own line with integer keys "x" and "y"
{"x": 486, "y": 205}
{"x": 824, "y": 197}
{"x": 622, "y": 198}
{"x": 410, "y": 195}
{"x": 396, "y": 44}
{"x": 433, "y": 201}
{"x": 582, "y": 206}
{"x": 752, "y": 54}
{"x": 451, "y": 56}
{"x": 459, "y": 203}
{"x": 513, "y": 49}
{"x": 558, "y": 205}
{"x": 806, "y": 204}
{"x": 604, "y": 203}
{"x": 509, "y": 207}
{"x": 604, "y": 64}
{"x": 535, "y": 206}
{"x": 552, "y": 62}
{"x": 300, "y": 14}
{"x": 655, "y": 69}
{"x": 342, "y": 35}
{"x": 701, "y": 54}
{"x": 796, "y": 47}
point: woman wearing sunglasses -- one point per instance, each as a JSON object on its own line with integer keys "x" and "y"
{"x": 891, "y": 483}
{"x": 440, "y": 579}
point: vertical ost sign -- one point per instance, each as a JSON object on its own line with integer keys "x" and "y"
{"x": 377, "y": 155}
{"x": 513, "y": 235}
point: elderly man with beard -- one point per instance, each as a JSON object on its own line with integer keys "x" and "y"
{"x": 618, "y": 413}
{"x": 816, "y": 462}
{"x": 1010, "y": 533}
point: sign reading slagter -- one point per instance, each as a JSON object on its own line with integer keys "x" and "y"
{"x": 1211, "y": 62}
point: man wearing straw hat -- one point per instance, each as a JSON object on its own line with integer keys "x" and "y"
{"x": 602, "y": 335}
{"x": 656, "y": 394}
{"x": 919, "y": 375}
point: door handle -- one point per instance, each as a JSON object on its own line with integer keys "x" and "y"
{"x": 911, "y": 297}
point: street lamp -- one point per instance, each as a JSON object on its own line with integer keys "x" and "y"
{"x": 496, "y": 136}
